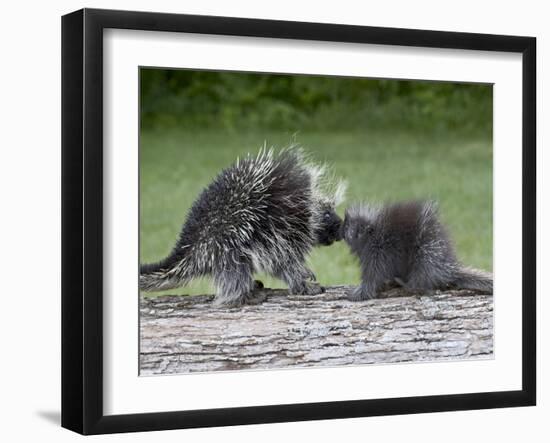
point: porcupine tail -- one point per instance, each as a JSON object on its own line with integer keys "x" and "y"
{"x": 477, "y": 280}
{"x": 168, "y": 273}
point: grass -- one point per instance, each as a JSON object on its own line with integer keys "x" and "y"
{"x": 380, "y": 165}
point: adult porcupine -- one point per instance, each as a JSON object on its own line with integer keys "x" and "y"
{"x": 265, "y": 213}
{"x": 407, "y": 244}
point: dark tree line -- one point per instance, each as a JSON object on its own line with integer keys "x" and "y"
{"x": 230, "y": 100}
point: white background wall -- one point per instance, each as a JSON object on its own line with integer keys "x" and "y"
{"x": 30, "y": 218}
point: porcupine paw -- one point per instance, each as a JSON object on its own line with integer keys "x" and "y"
{"x": 257, "y": 285}
{"x": 359, "y": 294}
{"x": 388, "y": 285}
{"x": 255, "y": 298}
{"x": 308, "y": 288}
{"x": 311, "y": 276}
{"x": 400, "y": 282}
{"x": 415, "y": 290}
{"x": 252, "y": 298}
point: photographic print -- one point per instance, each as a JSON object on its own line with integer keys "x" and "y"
{"x": 272, "y": 221}
{"x": 294, "y": 221}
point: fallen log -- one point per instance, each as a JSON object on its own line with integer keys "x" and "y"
{"x": 181, "y": 334}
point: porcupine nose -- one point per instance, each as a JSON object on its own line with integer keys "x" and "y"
{"x": 338, "y": 231}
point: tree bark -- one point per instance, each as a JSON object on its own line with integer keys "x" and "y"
{"x": 181, "y": 334}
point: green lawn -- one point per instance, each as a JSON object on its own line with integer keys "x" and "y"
{"x": 380, "y": 165}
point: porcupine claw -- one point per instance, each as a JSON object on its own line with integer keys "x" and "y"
{"x": 311, "y": 276}
{"x": 312, "y": 288}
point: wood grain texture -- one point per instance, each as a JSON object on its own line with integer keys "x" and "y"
{"x": 181, "y": 334}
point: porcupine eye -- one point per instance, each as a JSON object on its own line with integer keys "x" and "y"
{"x": 363, "y": 229}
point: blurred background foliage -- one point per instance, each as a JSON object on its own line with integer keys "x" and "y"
{"x": 391, "y": 140}
{"x": 238, "y": 101}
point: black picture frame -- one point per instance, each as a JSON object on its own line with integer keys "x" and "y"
{"x": 82, "y": 220}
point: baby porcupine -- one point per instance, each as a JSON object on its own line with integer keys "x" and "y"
{"x": 263, "y": 213}
{"x": 406, "y": 243}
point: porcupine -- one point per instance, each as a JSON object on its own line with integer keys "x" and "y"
{"x": 405, "y": 243}
{"x": 263, "y": 213}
